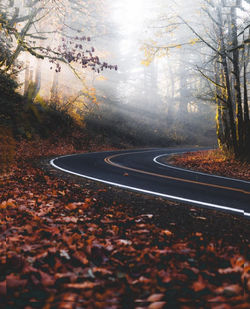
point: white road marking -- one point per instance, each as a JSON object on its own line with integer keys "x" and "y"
{"x": 177, "y": 198}
{"x": 108, "y": 160}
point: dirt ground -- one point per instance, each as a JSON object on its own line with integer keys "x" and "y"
{"x": 69, "y": 243}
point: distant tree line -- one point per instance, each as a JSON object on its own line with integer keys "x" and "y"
{"x": 223, "y": 38}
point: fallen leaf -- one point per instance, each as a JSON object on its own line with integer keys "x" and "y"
{"x": 14, "y": 282}
{"x": 102, "y": 271}
{"x": 64, "y": 253}
{"x": 157, "y": 305}
{"x": 230, "y": 290}
{"x": 3, "y": 205}
{"x": 201, "y": 218}
{"x": 124, "y": 242}
{"x": 46, "y": 279}
{"x": 246, "y": 267}
{"x": 155, "y": 297}
{"x": 71, "y": 206}
{"x": 167, "y": 232}
{"x": 11, "y": 203}
{"x": 198, "y": 234}
{"x": 81, "y": 286}
{"x": 199, "y": 285}
{"x": 230, "y": 270}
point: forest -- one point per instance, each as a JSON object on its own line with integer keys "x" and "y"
{"x": 94, "y": 76}
{"x": 179, "y": 79}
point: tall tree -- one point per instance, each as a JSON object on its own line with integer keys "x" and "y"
{"x": 20, "y": 26}
{"x": 230, "y": 48}
{"x": 225, "y": 37}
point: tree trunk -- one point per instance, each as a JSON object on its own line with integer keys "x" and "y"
{"x": 236, "y": 71}
{"x": 246, "y": 125}
{"x": 21, "y": 38}
{"x": 54, "y": 89}
{"x": 228, "y": 86}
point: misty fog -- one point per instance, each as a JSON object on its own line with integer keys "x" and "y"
{"x": 155, "y": 92}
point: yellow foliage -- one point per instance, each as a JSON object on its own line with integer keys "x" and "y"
{"x": 146, "y": 62}
{"x": 193, "y": 41}
{"x": 149, "y": 53}
{"x": 41, "y": 101}
{"x": 101, "y": 77}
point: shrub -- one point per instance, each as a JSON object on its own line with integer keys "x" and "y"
{"x": 7, "y": 84}
{"x": 7, "y": 149}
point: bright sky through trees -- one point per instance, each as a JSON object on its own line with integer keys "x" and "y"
{"x": 158, "y": 60}
{"x": 130, "y": 15}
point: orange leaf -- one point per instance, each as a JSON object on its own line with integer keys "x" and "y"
{"x": 155, "y": 297}
{"x": 3, "y": 205}
{"x": 240, "y": 261}
{"x": 71, "y": 206}
{"x": 199, "y": 285}
{"x": 246, "y": 267}
{"x": 81, "y": 286}
{"x": 11, "y": 203}
{"x": 167, "y": 232}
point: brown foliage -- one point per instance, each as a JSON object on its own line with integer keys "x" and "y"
{"x": 7, "y": 149}
{"x": 213, "y": 162}
{"x": 64, "y": 245}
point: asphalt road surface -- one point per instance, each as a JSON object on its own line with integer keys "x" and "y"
{"x": 145, "y": 171}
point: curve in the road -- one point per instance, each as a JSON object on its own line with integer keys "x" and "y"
{"x": 109, "y": 161}
{"x": 137, "y": 170}
{"x": 157, "y": 161}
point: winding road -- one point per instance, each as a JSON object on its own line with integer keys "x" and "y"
{"x": 145, "y": 171}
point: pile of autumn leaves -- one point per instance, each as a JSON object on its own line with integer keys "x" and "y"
{"x": 66, "y": 246}
{"x": 214, "y": 162}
